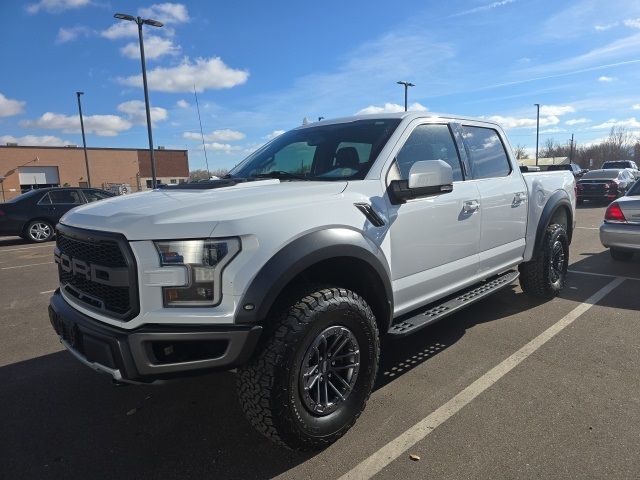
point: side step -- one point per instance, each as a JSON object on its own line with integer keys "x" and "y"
{"x": 437, "y": 311}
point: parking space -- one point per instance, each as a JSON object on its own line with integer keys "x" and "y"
{"x": 487, "y": 393}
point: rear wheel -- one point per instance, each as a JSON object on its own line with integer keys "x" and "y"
{"x": 544, "y": 276}
{"x": 39, "y": 231}
{"x": 620, "y": 254}
{"x": 314, "y": 373}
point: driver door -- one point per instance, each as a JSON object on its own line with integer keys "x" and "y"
{"x": 434, "y": 240}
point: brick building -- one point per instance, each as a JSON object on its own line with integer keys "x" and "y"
{"x": 24, "y": 168}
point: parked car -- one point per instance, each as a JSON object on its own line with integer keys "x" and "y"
{"x": 603, "y": 185}
{"x": 620, "y": 231}
{"x": 293, "y": 266}
{"x": 572, "y": 167}
{"x": 34, "y": 214}
{"x": 630, "y": 164}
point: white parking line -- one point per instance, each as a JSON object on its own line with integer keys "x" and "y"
{"x": 589, "y": 228}
{"x": 23, "y": 248}
{"x": 48, "y": 291}
{"x": 24, "y": 266}
{"x": 392, "y": 450}
{"x": 579, "y": 272}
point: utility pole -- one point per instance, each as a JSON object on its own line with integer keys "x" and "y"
{"x": 406, "y": 88}
{"x": 154, "y": 23}
{"x": 537, "y": 130}
{"x": 571, "y": 151}
{"x": 84, "y": 141}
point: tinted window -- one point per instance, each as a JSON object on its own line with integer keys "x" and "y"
{"x": 95, "y": 195}
{"x": 45, "y": 200}
{"x": 294, "y": 158}
{"x": 487, "y": 154}
{"x": 600, "y": 174}
{"x": 65, "y": 196}
{"x": 635, "y": 190}
{"x": 429, "y": 142}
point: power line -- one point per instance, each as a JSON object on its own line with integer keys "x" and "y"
{"x": 206, "y": 160}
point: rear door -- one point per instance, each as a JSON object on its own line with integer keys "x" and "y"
{"x": 503, "y": 198}
{"x": 64, "y": 200}
{"x": 434, "y": 240}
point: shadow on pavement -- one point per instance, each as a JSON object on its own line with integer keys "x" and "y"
{"x": 13, "y": 241}
{"x": 602, "y": 263}
{"x": 62, "y": 420}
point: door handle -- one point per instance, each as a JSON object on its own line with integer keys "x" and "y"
{"x": 470, "y": 206}
{"x": 518, "y": 199}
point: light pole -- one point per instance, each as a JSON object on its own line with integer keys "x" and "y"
{"x": 84, "y": 141}
{"x": 154, "y": 23}
{"x": 571, "y": 151}
{"x": 537, "y": 130}
{"x": 406, "y": 87}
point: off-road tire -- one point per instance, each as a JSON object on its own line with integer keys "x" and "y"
{"x": 620, "y": 255}
{"x": 269, "y": 389}
{"x": 536, "y": 276}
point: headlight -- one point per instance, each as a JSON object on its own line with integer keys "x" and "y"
{"x": 204, "y": 260}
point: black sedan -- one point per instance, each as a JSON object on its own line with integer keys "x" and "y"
{"x": 34, "y": 214}
{"x": 604, "y": 185}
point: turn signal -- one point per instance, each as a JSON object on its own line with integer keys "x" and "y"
{"x": 614, "y": 213}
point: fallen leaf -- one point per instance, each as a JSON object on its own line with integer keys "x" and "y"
{"x": 414, "y": 457}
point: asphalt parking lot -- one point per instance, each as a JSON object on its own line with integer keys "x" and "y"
{"x": 510, "y": 388}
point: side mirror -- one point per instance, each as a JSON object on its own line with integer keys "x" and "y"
{"x": 426, "y": 178}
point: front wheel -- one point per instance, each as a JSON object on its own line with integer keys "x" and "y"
{"x": 39, "y": 231}
{"x": 545, "y": 274}
{"x": 314, "y": 372}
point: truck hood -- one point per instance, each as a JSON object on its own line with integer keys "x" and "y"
{"x": 168, "y": 213}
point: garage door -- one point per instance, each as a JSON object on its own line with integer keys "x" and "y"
{"x": 39, "y": 176}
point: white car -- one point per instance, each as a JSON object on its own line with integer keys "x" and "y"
{"x": 293, "y": 267}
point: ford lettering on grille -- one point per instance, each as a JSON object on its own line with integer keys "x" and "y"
{"x": 113, "y": 277}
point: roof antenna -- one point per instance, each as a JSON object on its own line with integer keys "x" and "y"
{"x": 204, "y": 147}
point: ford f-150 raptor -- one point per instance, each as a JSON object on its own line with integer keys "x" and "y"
{"x": 292, "y": 267}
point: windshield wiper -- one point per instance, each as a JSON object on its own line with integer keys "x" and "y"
{"x": 281, "y": 174}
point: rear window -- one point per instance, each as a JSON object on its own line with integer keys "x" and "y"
{"x": 634, "y": 191}
{"x": 600, "y": 174}
{"x": 620, "y": 164}
{"x": 486, "y": 151}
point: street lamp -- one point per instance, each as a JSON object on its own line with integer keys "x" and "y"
{"x": 84, "y": 141}
{"x": 406, "y": 87}
{"x": 537, "y": 130}
{"x": 154, "y": 23}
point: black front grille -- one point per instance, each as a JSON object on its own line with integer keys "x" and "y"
{"x": 98, "y": 249}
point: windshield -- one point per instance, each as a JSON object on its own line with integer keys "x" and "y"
{"x": 598, "y": 174}
{"x": 324, "y": 152}
{"x": 616, "y": 165}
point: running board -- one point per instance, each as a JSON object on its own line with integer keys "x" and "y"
{"x": 437, "y": 311}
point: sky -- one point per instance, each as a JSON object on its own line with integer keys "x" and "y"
{"x": 260, "y": 68}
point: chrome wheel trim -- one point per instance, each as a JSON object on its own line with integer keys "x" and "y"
{"x": 329, "y": 370}
{"x": 39, "y": 231}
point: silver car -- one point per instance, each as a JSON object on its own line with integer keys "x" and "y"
{"x": 620, "y": 231}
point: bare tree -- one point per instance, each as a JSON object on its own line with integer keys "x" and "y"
{"x": 520, "y": 152}
{"x": 201, "y": 174}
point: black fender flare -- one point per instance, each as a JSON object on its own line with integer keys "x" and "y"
{"x": 559, "y": 199}
{"x": 302, "y": 253}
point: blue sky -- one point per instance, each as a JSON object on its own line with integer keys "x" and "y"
{"x": 261, "y": 67}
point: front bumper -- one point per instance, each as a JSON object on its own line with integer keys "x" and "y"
{"x": 153, "y": 352}
{"x": 623, "y": 236}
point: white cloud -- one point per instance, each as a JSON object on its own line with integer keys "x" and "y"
{"x": 9, "y": 107}
{"x": 556, "y": 109}
{"x": 136, "y": 112}
{"x": 205, "y": 73}
{"x": 484, "y": 8}
{"x": 166, "y": 12}
{"x": 553, "y": 130}
{"x": 629, "y": 123}
{"x": 577, "y": 121}
{"x": 636, "y": 106}
{"x": 222, "y": 147}
{"x": 605, "y": 79}
{"x": 516, "y": 122}
{"x": 182, "y": 104}
{"x": 35, "y": 140}
{"x": 632, "y": 23}
{"x": 602, "y": 28}
{"x": 56, "y": 6}
{"x": 225, "y": 135}
{"x": 154, "y": 47}
{"x": 392, "y": 108}
{"x": 120, "y": 30}
{"x": 102, "y": 125}
{"x": 70, "y": 34}
{"x": 274, "y": 134}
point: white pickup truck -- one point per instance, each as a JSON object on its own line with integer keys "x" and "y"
{"x": 292, "y": 267}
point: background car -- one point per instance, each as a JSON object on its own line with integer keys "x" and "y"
{"x": 572, "y": 167}
{"x": 629, "y": 164}
{"x": 34, "y": 214}
{"x": 603, "y": 185}
{"x": 620, "y": 231}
